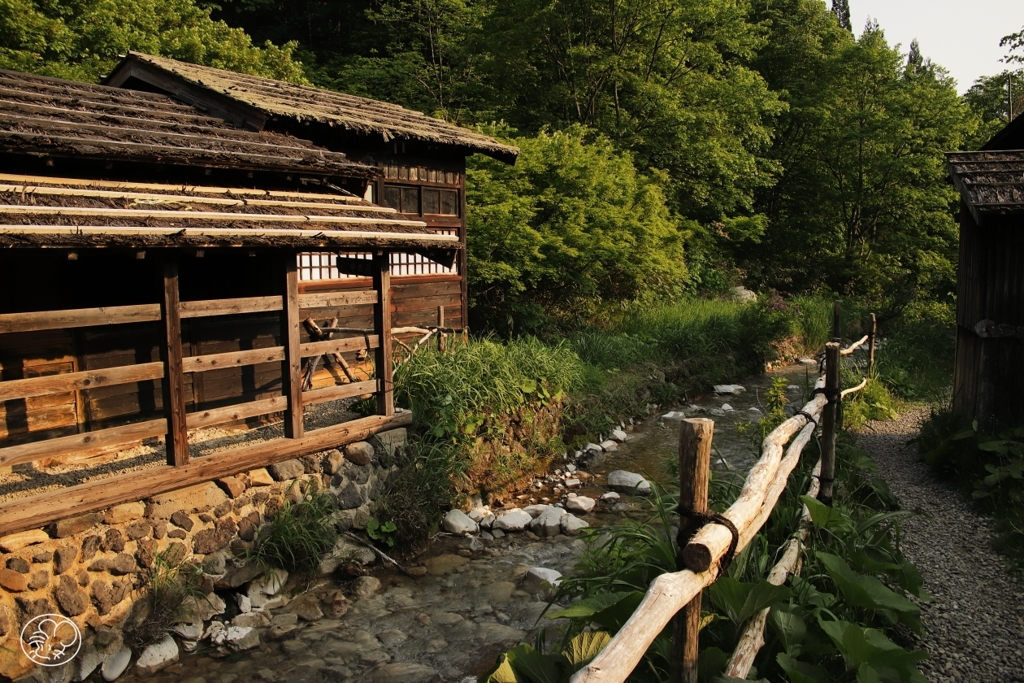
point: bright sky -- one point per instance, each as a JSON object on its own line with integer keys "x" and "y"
{"x": 960, "y": 35}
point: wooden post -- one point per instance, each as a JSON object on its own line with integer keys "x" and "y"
{"x": 440, "y": 334}
{"x": 837, "y": 329}
{"x": 382, "y": 326}
{"x": 871, "y": 344}
{"x": 292, "y": 366}
{"x": 694, "y": 476}
{"x": 174, "y": 378}
{"x": 829, "y": 422}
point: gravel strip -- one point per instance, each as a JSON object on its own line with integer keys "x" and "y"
{"x": 975, "y": 625}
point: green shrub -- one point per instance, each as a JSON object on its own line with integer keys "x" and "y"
{"x": 297, "y": 536}
{"x": 916, "y": 358}
{"x": 166, "y": 589}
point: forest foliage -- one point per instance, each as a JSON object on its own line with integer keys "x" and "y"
{"x": 669, "y": 146}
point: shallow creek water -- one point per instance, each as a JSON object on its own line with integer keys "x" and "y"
{"x": 472, "y": 603}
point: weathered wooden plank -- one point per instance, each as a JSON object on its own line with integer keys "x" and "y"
{"x": 174, "y": 383}
{"x": 329, "y": 299}
{"x": 213, "y": 216}
{"x": 429, "y": 303}
{"x": 339, "y": 345}
{"x": 67, "y": 445}
{"x": 291, "y": 332}
{"x": 233, "y": 359}
{"x": 252, "y": 304}
{"x": 335, "y": 393}
{"x": 26, "y": 513}
{"x": 232, "y": 413}
{"x": 81, "y": 317}
{"x": 78, "y": 381}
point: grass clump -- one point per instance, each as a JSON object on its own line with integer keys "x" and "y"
{"x": 297, "y": 536}
{"x": 168, "y": 587}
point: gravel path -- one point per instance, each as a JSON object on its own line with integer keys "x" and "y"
{"x": 975, "y": 625}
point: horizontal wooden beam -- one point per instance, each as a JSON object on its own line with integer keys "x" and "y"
{"x": 213, "y": 216}
{"x": 78, "y": 317}
{"x": 339, "y": 345}
{"x": 339, "y": 392}
{"x": 327, "y": 202}
{"x": 355, "y": 238}
{"x": 162, "y": 187}
{"x": 251, "y": 304}
{"x": 232, "y": 359}
{"x": 330, "y": 299}
{"x": 238, "y": 411}
{"x": 79, "y": 381}
{"x": 38, "y": 510}
{"x": 67, "y": 445}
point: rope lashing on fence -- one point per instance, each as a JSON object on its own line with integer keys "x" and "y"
{"x": 833, "y": 396}
{"x": 715, "y": 518}
{"x": 810, "y": 418}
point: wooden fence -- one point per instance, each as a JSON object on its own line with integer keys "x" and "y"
{"x": 175, "y": 424}
{"x": 703, "y": 547}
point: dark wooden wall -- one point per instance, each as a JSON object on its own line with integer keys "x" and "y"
{"x": 38, "y": 280}
{"x": 989, "y": 374}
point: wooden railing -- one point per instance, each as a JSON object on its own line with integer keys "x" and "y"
{"x": 175, "y": 424}
{"x": 676, "y": 597}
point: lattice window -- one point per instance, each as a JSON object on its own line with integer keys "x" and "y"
{"x": 321, "y": 265}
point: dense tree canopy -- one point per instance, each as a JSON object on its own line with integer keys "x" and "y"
{"x": 81, "y": 39}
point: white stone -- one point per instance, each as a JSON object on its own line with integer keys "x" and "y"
{"x": 610, "y": 445}
{"x": 192, "y": 631}
{"x": 548, "y": 523}
{"x": 808, "y": 361}
{"x": 536, "y": 511}
{"x": 793, "y": 387}
{"x": 610, "y": 497}
{"x": 115, "y": 664}
{"x": 754, "y": 409}
{"x": 265, "y": 586}
{"x": 580, "y": 504}
{"x": 242, "y": 637}
{"x": 593, "y": 447}
{"x": 571, "y": 525}
{"x": 541, "y": 577}
{"x": 488, "y": 521}
{"x": 727, "y": 408}
{"x": 457, "y": 522}
{"x": 88, "y": 659}
{"x": 729, "y": 389}
{"x": 477, "y": 514}
{"x": 244, "y": 603}
{"x": 570, "y": 468}
{"x": 572, "y": 483}
{"x": 673, "y": 416}
{"x": 629, "y": 482}
{"x": 204, "y": 609}
{"x": 216, "y": 632}
{"x": 717, "y": 412}
{"x": 513, "y": 520}
{"x": 157, "y": 656}
{"x": 618, "y": 435}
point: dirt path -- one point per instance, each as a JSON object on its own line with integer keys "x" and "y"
{"x": 975, "y": 625}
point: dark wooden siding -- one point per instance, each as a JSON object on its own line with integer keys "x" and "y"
{"x": 989, "y": 373}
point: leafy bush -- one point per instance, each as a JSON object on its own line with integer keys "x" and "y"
{"x": 298, "y": 535}
{"x": 573, "y": 225}
{"x": 916, "y": 360}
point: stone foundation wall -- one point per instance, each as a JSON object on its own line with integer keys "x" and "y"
{"x": 92, "y": 568}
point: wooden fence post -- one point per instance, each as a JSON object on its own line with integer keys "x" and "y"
{"x": 382, "y": 326}
{"x": 174, "y": 379}
{"x": 871, "y": 344}
{"x": 694, "y": 475}
{"x": 829, "y": 422}
{"x": 292, "y": 366}
{"x": 837, "y": 313}
{"x": 440, "y": 334}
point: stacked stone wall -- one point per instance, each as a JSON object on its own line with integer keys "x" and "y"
{"x": 92, "y": 568}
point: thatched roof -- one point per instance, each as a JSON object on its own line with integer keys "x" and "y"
{"x": 306, "y": 104}
{"x": 990, "y": 183}
{"x": 57, "y": 118}
{"x": 72, "y": 212}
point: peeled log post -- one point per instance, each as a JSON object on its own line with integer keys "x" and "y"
{"x": 854, "y": 346}
{"x": 871, "y": 344}
{"x": 837, "y": 328}
{"x": 694, "y": 477}
{"x": 829, "y": 422}
{"x": 713, "y": 540}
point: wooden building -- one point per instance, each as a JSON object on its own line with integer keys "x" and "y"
{"x": 422, "y": 162}
{"x": 149, "y": 287}
{"x": 989, "y": 371}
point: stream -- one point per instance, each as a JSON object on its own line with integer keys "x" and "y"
{"x": 474, "y": 598}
